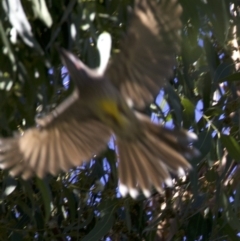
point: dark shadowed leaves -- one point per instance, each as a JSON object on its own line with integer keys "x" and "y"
{"x": 46, "y": 196}
{"x": 104, "y": 224}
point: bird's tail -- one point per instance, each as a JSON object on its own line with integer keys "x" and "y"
{"x": 147, "y": 161}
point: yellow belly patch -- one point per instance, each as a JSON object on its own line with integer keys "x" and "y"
{"x": 112, "y": 113}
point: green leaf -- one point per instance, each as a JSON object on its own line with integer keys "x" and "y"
{"x": 175, "y": 104}
{"x": 237, "y": 198}
{"x": 27, "y": 210}
{"x": 72, "y": 205}
{"x": 102, "y": 226}
{"x": 204, "y": 86}
{"x": 218, "y": 14}
{"x": 211, "y": 55}
{"x": 93, "y": 57}
{"x": 111, "y": 157}
{"x": 231, "y": 145}
{"x": 46, "y": 194}
{"x": 188, "y": 112}
{"x": 16, "y": 236}
{"x": 127, "y": 215}
{"x": 219, "y": 149}
{"x": 224, "y": 70}
{"x": 203, "y": 144}
{"x": 213, "y": 111}
{"x": 230, "y": 233}
{"x": 211, "y": 175}
{"x": 231, "y": 217}
{"x": 84, "y": 224}
{"x": 198, "y": 226}
{"x": 230, "y": 78}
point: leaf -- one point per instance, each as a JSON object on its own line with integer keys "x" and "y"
{"x": 219, "y": 149}
{"x": 41, "y": 11}
{"x": 193, "y": 176}
{"x": 127, "y": 215}
{"x": 19, "y": 21}
{"x": 39, "y": 219}
{"x": 230, "y": 78}
{"x": 230, "y": 233}
{"x": 101, "y": 228}
{"x": 10, "y": 185}
{"x": 104, "y": 224}
{"x": 16, "y": 236}
{"x": 204, "y": 86}
{"x": 81, "y": 225}
{"x": 231, "y": 217}
{"x": 65, "y": 15}
{"x": 203, "y": 144}
{"x": 218, "y": 14}
{"x": 213, "y": 111}
{"x": 93, "y": 57}
{"x": 191, "y": 51}
{"x": 211, "y": 55}
{"x": 188, "y": 112}
{"x": 237, "y": 198}
{"x": 198, "y": 226}
{"x": 72, "y": 205}
{"x": 111, "y": 157}
{"x": 175, "y": 104}
{"x": 7, "y": 44}
{"x": 224, "y": 70}
{"x": 194, "y": 229}
{"x": 26, "y": 210}
{"x": 231, "y": 145}
{"x": 46, "y": 196}
{"x": 211, "y": 175}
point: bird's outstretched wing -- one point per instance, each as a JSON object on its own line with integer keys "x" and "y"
{"x": 147, "y": 52}
{"x": 65, "y": 138}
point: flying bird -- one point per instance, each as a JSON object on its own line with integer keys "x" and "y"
{"x": 105, "y": 102}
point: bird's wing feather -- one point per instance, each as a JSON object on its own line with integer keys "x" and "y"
{"x": 148, "y": 51}
{"x": 65, "y": 138}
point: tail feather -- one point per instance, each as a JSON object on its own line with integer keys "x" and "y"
{"x": 11, "y": 157}
{"x": 168, "y": 152}
{"x": 156, "y": 172}
{"x": 8, "y": 159}
{"x": 126, "y": 169}
{"x": 143, "y": 182}
{"x": 148, "y": 161}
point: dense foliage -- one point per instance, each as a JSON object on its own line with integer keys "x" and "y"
{"x": 203, "y": 96}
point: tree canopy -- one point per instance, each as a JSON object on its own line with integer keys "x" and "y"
{"x": 203, "y": 96}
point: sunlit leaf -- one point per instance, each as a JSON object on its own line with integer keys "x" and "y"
{"x": 10, "y": 185}
{"x": 19, "y": 21}
{"x": 41, "y": 11}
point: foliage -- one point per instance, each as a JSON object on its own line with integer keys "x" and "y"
{"x": 203, "y": 96}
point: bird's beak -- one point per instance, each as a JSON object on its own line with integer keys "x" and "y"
{"x": 70, "y": 61}
{"x": 78, "y": 71}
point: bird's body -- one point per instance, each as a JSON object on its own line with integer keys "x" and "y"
{"x": 105, "y": 102}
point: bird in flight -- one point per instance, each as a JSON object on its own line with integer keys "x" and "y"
{"x": 105, "y": 102}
